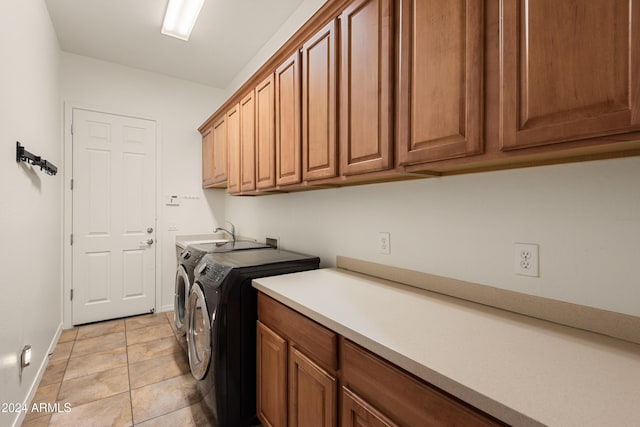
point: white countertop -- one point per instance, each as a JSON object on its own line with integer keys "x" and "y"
{"x": 524, "y": 371}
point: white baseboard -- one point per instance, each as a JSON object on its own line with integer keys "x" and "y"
{"x": 165, "y": 308}
{"x": 36, "y": 382}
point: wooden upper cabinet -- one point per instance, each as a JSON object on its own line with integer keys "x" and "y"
{"x": 319, "y": 98}
{"x": 248, "y": 143}
{"x": 569, "y": 70}
{"x": 265, "y": 173}
{"x": 440, "y": 95}
{"x": 207, "y": 158}
{"x": 233, "y": 149}
{"x": 366, "y": 82}
{"x": 220, "y": 151}
{"x": 288, "y": 145}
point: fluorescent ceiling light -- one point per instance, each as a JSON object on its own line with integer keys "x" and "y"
{"x": 180, "y": 18}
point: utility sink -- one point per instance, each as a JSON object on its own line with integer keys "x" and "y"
{"x": 199, "y": 239}
{"x": 201, "y": 242}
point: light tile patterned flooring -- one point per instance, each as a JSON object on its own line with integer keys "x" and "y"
{"x": 122, "y": 372}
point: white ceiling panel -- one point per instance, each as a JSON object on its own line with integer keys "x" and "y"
{"x": 226, "y": 36}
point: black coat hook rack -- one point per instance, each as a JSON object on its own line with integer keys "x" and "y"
{"x": 23, "y": 155}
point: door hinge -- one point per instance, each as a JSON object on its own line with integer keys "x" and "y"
{"x": 71, "y": 183}
{"x": 71, "y": 239}
{"x": 71, "y": 294}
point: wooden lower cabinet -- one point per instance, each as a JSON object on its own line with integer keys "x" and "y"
{"x": 312, "y": 393}
{"x": 358, "y": 413}
{"x": 401, "y": 397}
{"x": 298, "y": 379}
{"x": 271, "y": 394}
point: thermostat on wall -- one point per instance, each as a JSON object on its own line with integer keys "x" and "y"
{"x": 172, "y": 200}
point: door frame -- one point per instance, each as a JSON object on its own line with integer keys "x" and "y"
{"x": 67, "y": 205}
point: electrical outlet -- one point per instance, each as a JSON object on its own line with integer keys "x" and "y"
{"x": 525, "y": 260}
{"x": 384, "y": 242}
{"x": 272, "y": 241}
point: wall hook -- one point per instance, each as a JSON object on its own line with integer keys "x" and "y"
{"x": 23, "y": 155}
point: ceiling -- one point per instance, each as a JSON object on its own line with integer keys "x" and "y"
{"x": 226, "y": 36}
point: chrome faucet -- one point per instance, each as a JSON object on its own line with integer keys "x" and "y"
{"x": 232, "y": 232}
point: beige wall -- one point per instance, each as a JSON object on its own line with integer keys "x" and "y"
{"x": 584, "y": 216}
{"x": 179, "y": 107}
{"x": 30, "y": 209}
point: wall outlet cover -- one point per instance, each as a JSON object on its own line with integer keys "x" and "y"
{"x": 526, "y": 259}
{"x": 384, "y": 242}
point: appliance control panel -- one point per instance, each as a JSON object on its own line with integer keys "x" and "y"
{"x": 216, "y": 273}
{"x": 213, "y": 273}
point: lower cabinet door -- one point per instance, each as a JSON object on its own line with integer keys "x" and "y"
{"x": 358, "y": 413}
{"x": 271, "y": 381}
{"x": 312, "y": 393}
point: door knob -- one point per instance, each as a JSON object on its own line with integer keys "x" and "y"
{"x": 147, "y": 242}
{"x": 150, "y": 230}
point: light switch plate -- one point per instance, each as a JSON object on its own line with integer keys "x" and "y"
{"x": 171, "y": 200}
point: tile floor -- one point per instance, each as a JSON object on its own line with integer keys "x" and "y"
{"x": 122, "y": 372}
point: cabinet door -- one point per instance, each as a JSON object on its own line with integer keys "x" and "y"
{"x": 358, "y": 413}
{"x": 312, "y": 393}
{"x": 271, "y": 381}
{"x": 440, "y": 83}
{"x": 288, "y": 145}
{"x": 220, "y": 151}
{"x": 207, "y": 158}
{"x": 366, "y": 85}
{"x": 409, "y": 401}
{"x": 233, "y": 147}
{"x": 319, "y": 97}
{"x": 569, "y": 69}
{"x": 265, "y": 135}
{"x": 248, "y": 143}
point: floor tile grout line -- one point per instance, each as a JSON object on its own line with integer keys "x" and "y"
{"x": 75, "y": 341}
{"x": 66, "y": 366}
{"x": 126, "y": 343}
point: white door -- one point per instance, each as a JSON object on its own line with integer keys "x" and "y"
{"x": 114, "y": 187}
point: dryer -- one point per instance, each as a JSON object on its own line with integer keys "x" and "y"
{"x": 221, "y": 331}
{"x": 187, "y": 260}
